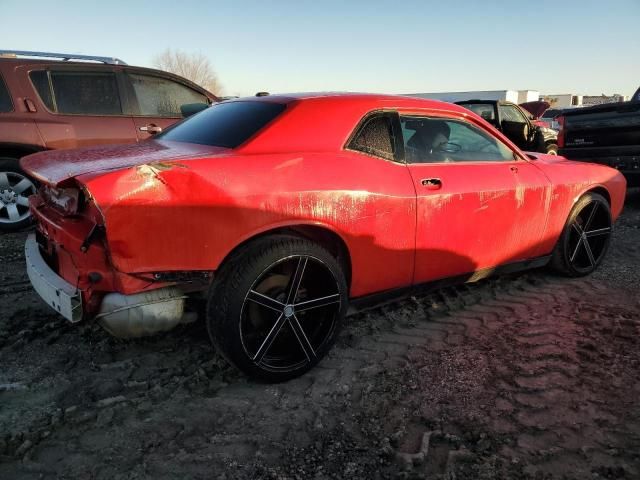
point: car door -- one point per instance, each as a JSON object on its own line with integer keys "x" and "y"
{"x": 157, "y": 100}
{"x": 80, "y": 106}
{"x": 479, "y": 203}
{"x": 516, "y": 126}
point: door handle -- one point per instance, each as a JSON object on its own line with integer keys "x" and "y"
{"x": 513, "y": 168}
{"x": 151, "y": 128}
{"x": 431, "y": 183}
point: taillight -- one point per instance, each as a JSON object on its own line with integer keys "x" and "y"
{"x": 560, "y": 120}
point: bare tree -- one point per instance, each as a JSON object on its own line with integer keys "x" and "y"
{"x": 193, "y": 66}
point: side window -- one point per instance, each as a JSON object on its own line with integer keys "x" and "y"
{"x": 510, "y": 113}
{"x": 375, "y": 137}
{"x": 484, "y": 110}
{"x": 40, "y": 80}
{"x": 159, "y": 97}
{"x": 436, "y": 140}
{"x": 86, "y": 93}
{"x": 6, "y": 105}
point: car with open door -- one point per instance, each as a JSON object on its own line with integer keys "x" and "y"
{"x": 516, "y": 123}
{"x": 51, "y": 101}
{"x": 280, "y": 212}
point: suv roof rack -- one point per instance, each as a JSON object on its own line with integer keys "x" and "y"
{"x": 63, "y": 56}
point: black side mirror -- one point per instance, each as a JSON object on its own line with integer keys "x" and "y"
{"x": 189, "y": 109}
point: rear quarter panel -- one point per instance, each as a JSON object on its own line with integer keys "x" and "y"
{"x": 188, "y": 215}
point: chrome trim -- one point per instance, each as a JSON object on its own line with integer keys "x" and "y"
{"x": 59, "y": 294}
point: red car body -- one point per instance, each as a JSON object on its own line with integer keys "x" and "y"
{"x": 161, "y": 209}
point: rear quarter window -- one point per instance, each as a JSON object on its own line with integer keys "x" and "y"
{"x": 227, "y": 124}
{"x": 6, "y": 105}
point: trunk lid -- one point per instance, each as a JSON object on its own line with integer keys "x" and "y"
{"x": 55, "y": 166}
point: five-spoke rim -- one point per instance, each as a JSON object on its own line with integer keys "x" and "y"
{"x": 15, "y": 190}
{"x": 289, "y": 313}
{"x": 589, "y": 236}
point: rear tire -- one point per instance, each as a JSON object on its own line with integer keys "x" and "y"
{"x": 585, "y": 238}
{"x": 276, "y": 307}
{"x": 15, "y": 189}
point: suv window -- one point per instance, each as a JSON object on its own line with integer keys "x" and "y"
{"x": 86, "y": 93}
{"x": 375, "y": 137}
{"x": 484, "y": 110}
{"x": 5, "y": 98}
{"x": 227, "y": 124}
{"x": 160, "y": 97}
{"x": 509, "y": 113}
{"x": 78, "y": 93}
{"x": 40, "y": 80}
{"x": 435, "y": 140}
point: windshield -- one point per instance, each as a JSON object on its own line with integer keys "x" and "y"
{"x": 227, "y": 124}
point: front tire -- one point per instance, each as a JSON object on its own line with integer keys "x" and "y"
{"x": 276, "y": 307}
{"x": 585, "y": 238}
{"x": 15, "y": 189}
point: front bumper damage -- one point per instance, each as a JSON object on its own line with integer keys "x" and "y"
{"x": 124, "y": 316}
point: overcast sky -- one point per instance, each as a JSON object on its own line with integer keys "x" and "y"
{"x": 406, "y": 46}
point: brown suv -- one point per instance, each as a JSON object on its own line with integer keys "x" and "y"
{"x": 67, "y": 101}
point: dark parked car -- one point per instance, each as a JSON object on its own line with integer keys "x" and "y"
{"x": 67, "y": 101}
{"x": 608, "y": 134}
{"x": 516, "y": 124}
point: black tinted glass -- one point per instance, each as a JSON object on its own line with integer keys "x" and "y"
{"x": 375, "y": 137}
{"x": 225, "y": 124}
{"x": 87, "y": 93}
{"x": 40, "y": 81}
{"x": 5, "y": 98}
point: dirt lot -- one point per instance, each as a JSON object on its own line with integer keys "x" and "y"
{"x": 524, "y": 376}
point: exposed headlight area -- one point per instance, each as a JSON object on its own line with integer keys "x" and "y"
{"x": 68, "y": 200}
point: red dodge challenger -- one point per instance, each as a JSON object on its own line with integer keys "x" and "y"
{"x": 281, "y": 210}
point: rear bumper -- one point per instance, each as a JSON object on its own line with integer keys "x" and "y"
{"x": 123, "y": 316}
{"x": 59, "y": 294}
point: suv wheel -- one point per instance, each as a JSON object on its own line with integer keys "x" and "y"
{"x": 15, "y": 189}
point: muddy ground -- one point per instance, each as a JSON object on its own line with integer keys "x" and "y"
{"x": 524, "y": 376}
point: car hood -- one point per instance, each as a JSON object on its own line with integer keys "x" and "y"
{"x": 536, "y": 108}
{"x": 56, "y": 166}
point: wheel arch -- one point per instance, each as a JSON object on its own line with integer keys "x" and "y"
{"x": 321, "y": 234}
{"x": 601, "y": 191}
{"x": 18, "y": 150}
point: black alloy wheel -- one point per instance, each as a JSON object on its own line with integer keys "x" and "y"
{"x": 586, "y": 236}
{"x": 285, "y": 301}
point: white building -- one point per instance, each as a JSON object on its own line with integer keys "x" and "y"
{"x": 515, "y": 96}
{"x": 567, "y": 100}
